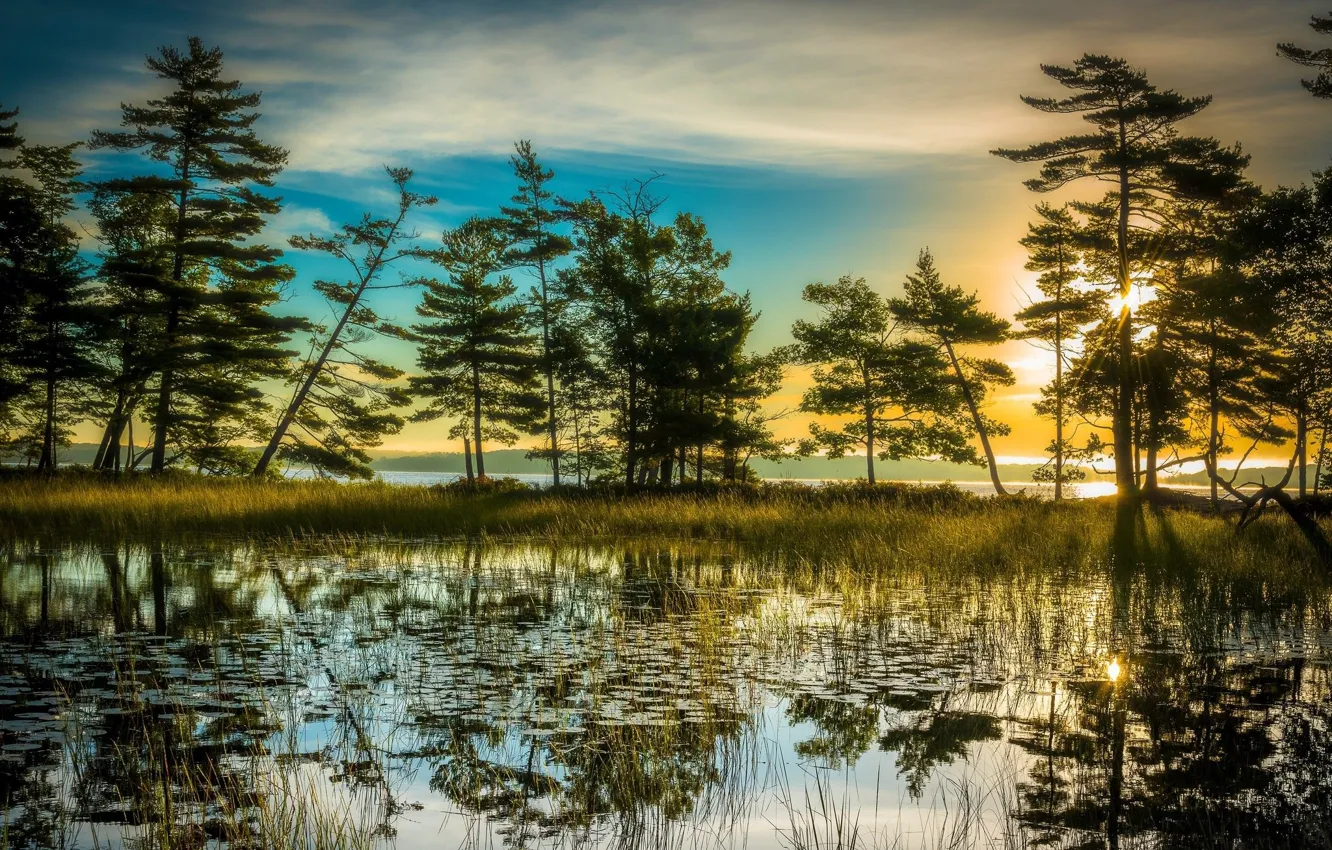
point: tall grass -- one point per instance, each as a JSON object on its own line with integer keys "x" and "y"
{"x": 854, "y": 523}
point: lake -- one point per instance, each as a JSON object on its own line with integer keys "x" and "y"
{"x": 484, "y": 694}
{"x": 1083, "y": 490}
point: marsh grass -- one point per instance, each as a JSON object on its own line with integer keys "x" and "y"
{"x": 869, "y": 528}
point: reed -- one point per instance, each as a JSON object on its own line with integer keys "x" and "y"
{"x": 855, "y": 520}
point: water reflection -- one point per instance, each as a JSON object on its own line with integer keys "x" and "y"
{"x": 478, "y": 694}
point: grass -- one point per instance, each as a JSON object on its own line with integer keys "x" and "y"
{"x": 940, "y": 527}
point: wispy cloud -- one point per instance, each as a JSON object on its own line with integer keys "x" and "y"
{"x": 807, "y": 85}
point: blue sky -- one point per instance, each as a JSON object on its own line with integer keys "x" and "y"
{"x": 814, "y": 139}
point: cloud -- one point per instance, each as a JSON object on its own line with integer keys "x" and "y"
{"x": 295, "y": 220}
{"x": 817, "y": 86}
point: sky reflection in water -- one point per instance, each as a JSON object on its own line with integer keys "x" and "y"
{"x": 478, "y": 694}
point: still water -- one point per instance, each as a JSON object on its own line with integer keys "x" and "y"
{"x": 478, "y": 694}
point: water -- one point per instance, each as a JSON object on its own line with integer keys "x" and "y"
{"x": 1090, "y": 489}
{"x": 475, "y": 695}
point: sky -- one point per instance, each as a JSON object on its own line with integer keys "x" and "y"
{"x": 815, "y": 139}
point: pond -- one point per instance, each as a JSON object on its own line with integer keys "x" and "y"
{"x": 485, "y": 694}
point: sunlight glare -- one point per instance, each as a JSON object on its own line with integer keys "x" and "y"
{"x": 1137, "y": 296}
{"x": 1112, "y": 670}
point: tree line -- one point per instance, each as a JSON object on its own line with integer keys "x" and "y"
{"x": 1184, "y": 310}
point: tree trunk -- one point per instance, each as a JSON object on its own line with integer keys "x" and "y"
{"x": 1059, "y": 392}
{"x": 1301, "y": 446}
{"x": 548, "y": 366}
{"x": 99, "y": 460}
{"x": 976, "y": 418}
{"x": 1318, "y": 468}
{"x": 1125, "y": 479}
{"x": 869, "y": 444}
{"x": 631, "y": 423}
{"x": 1214, "y": 416}
{"x": 47, "y": 461}
{"x": 467, "y": 459}
{"x": 684, "y": 457}
{"x": 164, "y": 390}
{"x": 476, "y": 421}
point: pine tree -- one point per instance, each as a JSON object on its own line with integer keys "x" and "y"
{"x": 1134, "y": 146}
{"x": 476, "y": 359}
{"x": 9, "y": 137}
{"x": 904, "y": 400}
{"x": 202, "y": 131}
{"x": 1053, "y": 249}
{"x": 1321, "y": 84}
{"x": 133, "y": 230}
{"x": 636, "y": 276}
{"x": 947, "y": 317}
{"x": 530, "y": 222}
{"x": 61, "y": 328}
{"x": 341, "y": 402}
{"x": 21, "y": 235}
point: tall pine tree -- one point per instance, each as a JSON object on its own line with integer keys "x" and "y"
{"x": 1053, "y": 250}
{"x": 948, "y": 318}
{"x": 530, "y": 221}
{"x": 477, "y": 360}
{"x": 61, "y": 328}
{"x": 202, "y": 133}
{"x": 341, "y": 401}
{"x": 1133, "y": 145}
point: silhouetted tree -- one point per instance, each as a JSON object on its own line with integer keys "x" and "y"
{"x": 530, "y": 223}
{"x": 947, "y": 317}
{"x": 901, "y": 393}
{"x": 1321, "y": 84}
{"x": 202, "y": 131}
{"x": 340, "y": 401}
{"x": 1134, "y": 146}
{"x": 476, "y": 359}
{"x": 1053, "y": 249}
{"x": 61, "y": 327}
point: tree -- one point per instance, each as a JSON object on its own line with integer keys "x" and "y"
{"x": 530, "y": 222}
{"x": 748, "y": 426}
{"x": 1053, "y": 250}
{"x": 1134, "y": 146}
{"x": 202, "y": 131}
{"x": 947, "y": 318}
{"x": 133, "y": 230}
{"x": 476, "y": 359}
{"x": 340, "y": 402}
{"x": 21, "y": 238}
{"x": 899, "y": 390}
{"x": 61, "y": 327}
{"x": 642, "y": 283}
{"x": 9, "y": 137}
{"x": 1321, "y": 84}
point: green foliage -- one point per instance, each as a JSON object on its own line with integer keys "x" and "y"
{"x": 530, "y": 222}
{"x": 477, "y": 360}
{"x": 218, "y": 335}
{"x": 1054, "y": 246}
{"x": 54, "y": 328}
{"x": 905, "y": 402}
{"x": 343, "y": 400}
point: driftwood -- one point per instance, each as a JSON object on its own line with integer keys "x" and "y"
{"x": 1256, "y": 502}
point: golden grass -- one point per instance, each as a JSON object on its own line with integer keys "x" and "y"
{"x": 939, "y": 527}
